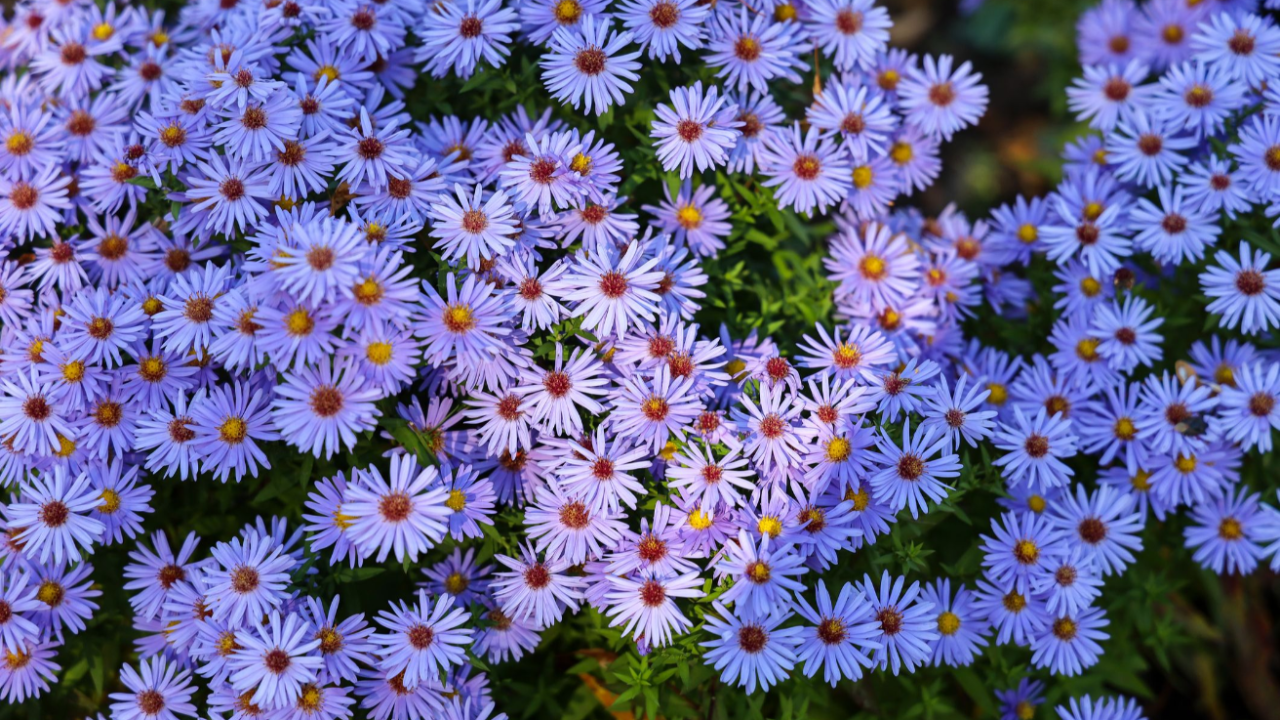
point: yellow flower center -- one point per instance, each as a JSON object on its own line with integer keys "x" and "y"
{"x": 110, "y": 501}
{"x": 233, "y": 430}
{"x": 457, "y": 500}
{"x": 948, "y": 623}
{"x": 699, "y": 520}
{"x": 73, "y": 371}
{"x": 299, "y": 322}
{"x": 379, "y": 353}
{"x": 862, "y": 177}
{"x": 999, "y": 394}
{"x": 1028, "y": 233}
{"x": 1185, "y": 464}
{"x": 770, "y": 526}
{"x": 901, "y": 151}
{"x": 1036, "y": 504}
{"x": 327, "y": 71}
{"x": 838, "y": 450}
{"x": 689, "y": 217}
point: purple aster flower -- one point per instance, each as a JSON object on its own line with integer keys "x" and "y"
{"x": 1021, "y": 702}
{"x": 162, "y": 691}
{"x": 1168, "y": 406}
{"x": 541, "y": 175}
{"x": 760, "y": 117}
{"x": 750, "y": 52}
{"x": 585, "y": 64}
{"x": 1250, "y": 410}
{"x": 319, "y": 409}
{"x": 1069, "y": 644}
{"x": 1104, "y": 526}
{"x": 909, "y": 476}
{"x": 1014, "y": 616}
{"x": 228, "y": 424}
{"x": 1147, "y": 150}
{"x": 32, "y": 208}
{"x": 1211, "y": 185}
{"x": 370, "y": 155}
{"x": 473, "y": 227}
{"x": 612, "y": 289}
{"x": 1109, "y": 94}
{"x": 556, "y": 394}
{"x": 646, "y": 608}
{"x": 250, "y": 579}
{"x": 1244, "y": 293}
{"x": 957, "y": 414}
{"x": 654, "y": 411}
{"x": 696, "y": 131}
{"x": 459, "y": 577}
{"x": 169, "y": 435}
{"x": 1224, "y": 533}
{"x": 907, "y": 623}
{"x": 841, "y": 635}
{"x": 851, "y": 32}
{"x": 422, "y": 641}
{"x": 1242, "y": 46}
{"x": 152, "y": 574}
{"x": 961, "y": 628}
{"x": 772, "y": 441}
{"x": 1175, "y": 232}
{"x": 26, "y": 673}
{"x": 505, "y": 638}
{"x": 695, "y": 217}
{"x": 857, "y": 114}
{"x": 461, "y": 35}
{"x": 33, "y": 416}
{"x": 1107, "y": 427}
{"x": 762, "y": 575}
{"x": 1128, "y": 333}
{"x": 19, "y": 602}
{"x": 54, "y": 514}
{"x": 1069, "y": 585}
{"x": 807, "y": 171}
{"x": 751, "y": 652}
{"x": 665, "y": 26}
{"x": 1025, "y": 545}
{"x": 941, "y": 101}
{"x": 1198, "y": 98}
{"x": 275, "y": 661}
{"x": 1035, "y": 448}
{"x": 187, "y": 321}
{"x": 536, "y": 590}
{"x": 406, "y": 514}
{"x": 465, "y": 322}
{"x": 343, "y": 644}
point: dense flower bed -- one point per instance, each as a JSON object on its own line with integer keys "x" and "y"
{"x": 503, "y": 300}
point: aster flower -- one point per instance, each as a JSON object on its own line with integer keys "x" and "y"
{"x": 1070, "y": 643}
{"x": 1025, "y": 546}
{"x": 1224, "y": 533}
{"x": 841, "y": 635}
{"x": 422, "y": 640}
{"x": 536, "y": 590}
{"x": 541, "y": 176}
{"x": 464, "y": 323}
{"x": 1108, "y": 94}
{"x": 228, "y": 423}
{"x": 695, "y": 217}
{"x": 556, "y": 394}
{"x": 957, "y": 414}
{"x": 321, "y": 408}
{"x": 772, "y": 440}
{"x": 33, "y": 207}
{"x": 906, "y": 622}
{"x": 751, "y": 652}
{"x": 1174, "y": 232}
{"x": 32, "y": 415}
{"x": 26, "y": 673}
{"x": 646, "y": 607}
{"x": 762, "y": 575}
{"x": 851, "y": 32}
{"x": 751, "y": 52}
{"x": 1103, "y": 526}
{"x": 960, "y": 627}
{"x": 1022, "y": 700}
{"x": 406, "y": 514}
{"x": 275, "y": 661}
{"x": 875, "y": 267}
{"x": 162, "y": 690}
{"x": 612, "y": 290}
{"x": 585, "y": 64}
{"x": 807, "y": 171}
{"x": 246, "y": 579}
{"x": 1242, "y": 47}
{"x": 1243, "y": 292}
{"x": 152, "y": 573}
{"x": 54, "y": 512}
{"x": 473, "y": 227}
{"x": 696, "y": 131}
{"x": 462, "y": 34}
{"x": 663, "y": 27}
{"x": 940, "y": 100}
{"x": 1251, "y": 409}
{"x": 17, "y": 602}
{"x": 909, "y": 474}
{"x": 1034, "y": 449}
{"x": 1128, "y": 334}
{"x": 1168, "y": 406}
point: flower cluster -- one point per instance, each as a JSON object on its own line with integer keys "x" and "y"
{"x": 225, "y": 237}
